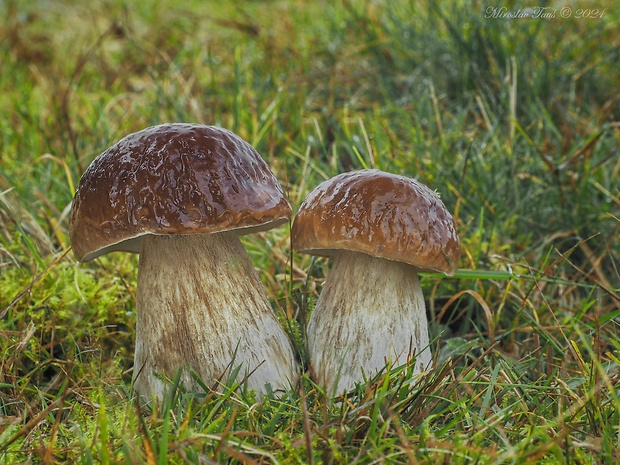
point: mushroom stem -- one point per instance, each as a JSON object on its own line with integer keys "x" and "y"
{"x": 200, "y": 304}
{"x": 370, "y": 313}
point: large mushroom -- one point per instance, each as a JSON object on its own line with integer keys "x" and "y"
{"x": 381, "y": 229}
{"x": 180, "y": 195}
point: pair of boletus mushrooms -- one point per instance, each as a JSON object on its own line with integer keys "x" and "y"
{"x": 180, "y": 195}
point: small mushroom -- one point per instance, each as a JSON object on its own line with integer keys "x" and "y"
{"x": 180, "y": 195}
{"x": 381, "y": 229}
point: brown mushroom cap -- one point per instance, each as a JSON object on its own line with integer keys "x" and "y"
{"x": 380, "y": 214}
{"x": 173, "y": 179}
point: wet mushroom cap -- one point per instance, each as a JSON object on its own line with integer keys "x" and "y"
{"x": 173, "y": 179}
{"x": 380, "y": 214}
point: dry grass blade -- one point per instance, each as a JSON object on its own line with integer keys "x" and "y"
{"x": 306, "y": 424}
{"x": 33, "y": 422}
{"x": 485, "y": 307}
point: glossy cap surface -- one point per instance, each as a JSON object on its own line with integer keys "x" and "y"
{"x": 380, "y": 214}
{"x": 173, "y": 179}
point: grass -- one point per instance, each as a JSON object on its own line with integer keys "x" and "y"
{"x": 514, "y": 122}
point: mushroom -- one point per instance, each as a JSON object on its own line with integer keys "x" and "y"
{"x": 180, "y": 195}
{"x": 381, "y": 230}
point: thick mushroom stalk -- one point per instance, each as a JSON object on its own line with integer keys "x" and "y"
{"x": 200, "y": 304}
{"x": 370, "y": 313}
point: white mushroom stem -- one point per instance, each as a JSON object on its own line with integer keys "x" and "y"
{"x": 370, "y": 313}
{"x": 200, "y": 304}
